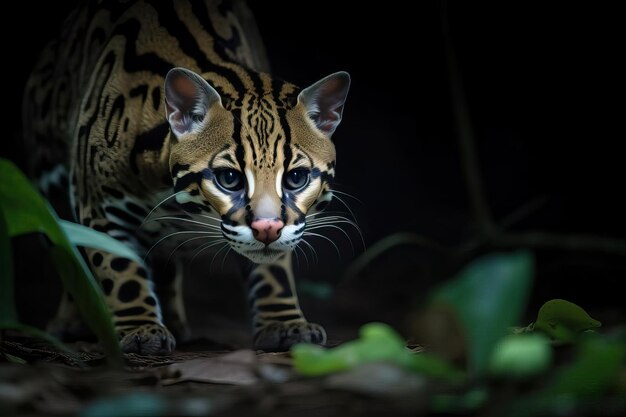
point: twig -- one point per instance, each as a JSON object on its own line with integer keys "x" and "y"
{"x": 543, "y": 240}
{"x": 489, "y": 232}
{"x": 522, "y": 212}
{"x": 469, "y": 161}
{"x": 385, "y": 244}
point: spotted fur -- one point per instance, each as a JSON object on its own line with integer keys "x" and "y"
{"x": 151, "y": 107}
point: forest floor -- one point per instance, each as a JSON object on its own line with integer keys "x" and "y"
{"x": 199, "y": 379}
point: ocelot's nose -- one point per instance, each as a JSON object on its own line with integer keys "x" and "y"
{"x": 267, "y": 230}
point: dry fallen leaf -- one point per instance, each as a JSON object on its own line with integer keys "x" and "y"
{"x": 236, "y": 368}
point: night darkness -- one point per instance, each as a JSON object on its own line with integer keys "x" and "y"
{"x": 545, "y": 93}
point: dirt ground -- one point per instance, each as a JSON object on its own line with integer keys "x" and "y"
{"x": 200, "y": 379}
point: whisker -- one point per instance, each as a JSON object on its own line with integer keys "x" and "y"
{"x": 210, "y": 226}
{"x": 306, "y": 258}
{"x": 332, "y": 219}
{"x": 215, "y": 255}
{"x": 347, "y": 195}
{"x": 325, "y": 238}
{"x": 159, "y": 204}
{"x": 205, "y": 247}
{"x": 335, "y": 220}
{"x": 347, "y": 207}
{"x": 209, "y": 234}
{"x": 312, "y": 249}
{"x": 206, "y": 216}
{"x": 325, "y": 213}
{"x": 323, "y": 226}
{"x": 225, "y": 256}
{"x": 295, "y": 253}
{"x": 186, "y": 241}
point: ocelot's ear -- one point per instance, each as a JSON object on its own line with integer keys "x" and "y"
{"x": 324, "y": 101}
{"x": 188, "y": 98}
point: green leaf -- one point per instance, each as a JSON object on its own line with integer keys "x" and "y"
{"x": 460, "y": 403}
{"x": 7, "y": 306}
{"x": 80, "y": 235}
{"x": 521, "y": 356}
{"x": 488, "y": 297}
{"x": 14, "y": 359}
{"x": 595, "y": 369}
{"x": 26, "y": 211}
{"x": 563, "y": 320}
{"x": 378, "y": 342}
{"x": 321, "y": 290}
{"x": 138, "y": 404}
{"x": 591, "y": 382}
{"x": 78, "y": 280}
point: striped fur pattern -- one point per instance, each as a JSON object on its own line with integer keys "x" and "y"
{"x": 174, "y": 138}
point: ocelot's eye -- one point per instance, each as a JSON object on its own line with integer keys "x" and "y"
{"x": 230, "y": 179}
{"x": 296, "y": 179}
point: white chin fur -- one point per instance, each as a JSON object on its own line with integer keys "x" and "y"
{"x": 263, "y": 257}
{"x": 245, "y": 244}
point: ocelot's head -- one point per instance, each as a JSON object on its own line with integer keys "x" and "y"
{"x": 259, "y": 161}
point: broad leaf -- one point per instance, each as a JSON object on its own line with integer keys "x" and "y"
{"x": 488, "y": 296}
{"x": 562, "y": 320}
{"x": 77, "y": 279}
{"x": 236, "y": 368}
{"x": 589, "y": 385}
{"x": 377, "y": 343}
{"x": 521, "y": 356}
{"x": 81, "y": 235}
{"x": 136, "y": 404}
{"x": 596, "y": 367}
{"x": 26, "y": 211}
{"x": 7, "y": 306}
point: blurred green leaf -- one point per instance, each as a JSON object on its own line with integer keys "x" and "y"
{"x": 521, "y": 356}
{"x": 590, "y": 384}
{"x": 321, "y": 290}
{"x": 7, "y": 306}
{"x": 460, "y": 403}
{"x": 488, "y": 297}
{"x": 596, "y": 367}
{"x": 385, "y": 244}
{"x": 562, "y": 320}
{"x": 26, "y": 211}
{"x": 80, "y": 235}
{"x": 138, "y": 404}
{"x": 8, "y": 315}
{"x": 14, "y": 359}
{"x": 78, "y": 280}
{"x": 378, "y": 342}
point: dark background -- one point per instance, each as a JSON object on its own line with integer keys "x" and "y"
{"x": 545, "y": 92}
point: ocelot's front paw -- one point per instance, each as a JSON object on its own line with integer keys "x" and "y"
{"x": 279, "y": 337}
{"x": 147, "y": 339}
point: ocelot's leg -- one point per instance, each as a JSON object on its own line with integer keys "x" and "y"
{"x": 130, "y": 297}
{"x": 168, "y": 279}
{"x": 277, "y": 318}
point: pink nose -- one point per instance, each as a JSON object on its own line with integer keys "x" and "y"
{"x": 267, "y": 230}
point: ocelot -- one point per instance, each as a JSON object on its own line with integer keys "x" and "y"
{"x": 161, "y": 120}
